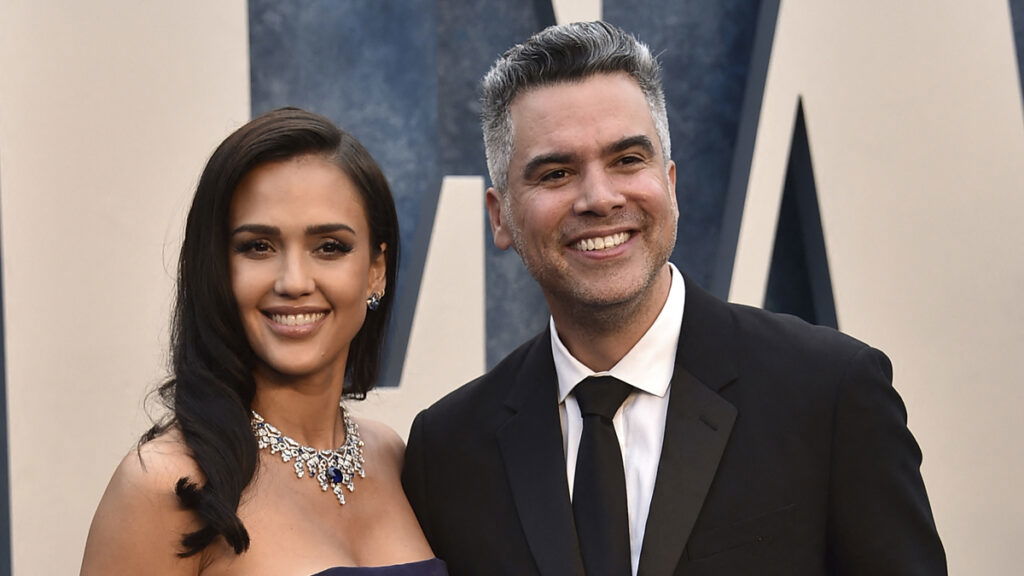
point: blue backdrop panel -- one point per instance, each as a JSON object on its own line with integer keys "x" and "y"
{"x": 369, "y": 65}
{"x": 1017, "y": 15}
{"x": 743, "y": 153}
{"x": 705, "y": 48}
{"x": 471, "y": 35}
{"x": 5, "y": 482}
{"x": 799, "y": 281}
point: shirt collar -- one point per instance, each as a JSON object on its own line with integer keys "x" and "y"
{"x": 648, "y": 365}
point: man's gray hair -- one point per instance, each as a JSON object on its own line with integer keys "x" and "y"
{"x": 557, "y": 54}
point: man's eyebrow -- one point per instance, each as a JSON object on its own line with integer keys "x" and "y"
{"x": 639, "y": 140}
{"x": 545, "y": 159}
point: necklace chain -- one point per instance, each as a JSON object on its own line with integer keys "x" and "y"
{"x": 332, "y": 469}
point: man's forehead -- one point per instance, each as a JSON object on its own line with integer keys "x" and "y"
{"x": 573, "y": 85}
{"x": 598, "y": 110}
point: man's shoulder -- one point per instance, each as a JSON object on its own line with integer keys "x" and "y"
{"x": 779, "y": 340}
{"x": 746, "y": 325}
{"x": 762, "y": 340}
{"x": 760, "y": 323}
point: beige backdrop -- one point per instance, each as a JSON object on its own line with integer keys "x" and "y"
{"x": 914, "y": 113}
{"x": 108, "y": 110}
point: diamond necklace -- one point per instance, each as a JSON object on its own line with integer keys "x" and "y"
{"x": 332, "y": 469}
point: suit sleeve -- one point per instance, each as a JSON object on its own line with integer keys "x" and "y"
{"x": 880, "y": 522}
{"x": 414, "y": 479}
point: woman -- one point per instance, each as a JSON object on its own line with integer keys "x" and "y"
{"x": 290, "y": 248}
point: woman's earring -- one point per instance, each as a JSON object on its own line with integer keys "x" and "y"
{"x": 373, "y": 302}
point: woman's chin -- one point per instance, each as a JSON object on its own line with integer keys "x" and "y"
{"x": 296, "y": 369}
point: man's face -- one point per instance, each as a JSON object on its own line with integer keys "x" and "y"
{"x": 590, "y": 205}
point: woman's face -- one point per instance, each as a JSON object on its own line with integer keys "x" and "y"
{"x": 302, "y": 266}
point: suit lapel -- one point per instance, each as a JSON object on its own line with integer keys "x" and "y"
{"x": 697, "y": 430}
{"x": 531, "y": 447}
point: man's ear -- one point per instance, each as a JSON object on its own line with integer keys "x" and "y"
{"x": 672, "y": 186}
{"x": 499, "y": 228}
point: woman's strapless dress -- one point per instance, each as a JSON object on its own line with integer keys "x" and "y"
{"x": 432, "y": 567}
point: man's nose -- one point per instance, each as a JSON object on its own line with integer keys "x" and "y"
{"x": 294, "y": 277}
{"x": 598, "y": 195}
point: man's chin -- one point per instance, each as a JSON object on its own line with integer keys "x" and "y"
{"x": 600, "y": 300}
{"x": 603, "y": 296}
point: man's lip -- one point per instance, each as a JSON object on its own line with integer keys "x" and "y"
{"x": 594, "y": 247}
{"x": 591, "y": 234}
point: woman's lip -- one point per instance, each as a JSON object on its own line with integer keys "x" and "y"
{"x": 293, "y": 309}
{"x": 295, "y": 325}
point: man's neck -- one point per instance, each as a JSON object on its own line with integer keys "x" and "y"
{"x": 600, "y": 337}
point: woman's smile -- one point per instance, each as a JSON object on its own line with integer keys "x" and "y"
{"x": 291, "y": 324}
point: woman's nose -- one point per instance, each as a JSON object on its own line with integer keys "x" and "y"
{"x": 294, "y": 277}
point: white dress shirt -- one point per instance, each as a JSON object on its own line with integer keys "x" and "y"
{"x": 640, "y": 421}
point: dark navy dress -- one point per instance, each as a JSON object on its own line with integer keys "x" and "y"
{"x": 432, "y": 567}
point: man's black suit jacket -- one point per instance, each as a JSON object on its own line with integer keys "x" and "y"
{"x": 786, "y": 453}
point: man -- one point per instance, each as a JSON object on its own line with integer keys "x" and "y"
{"x": 651, "y": 429}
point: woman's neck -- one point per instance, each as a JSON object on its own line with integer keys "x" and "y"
{"x": 304, "y": 409}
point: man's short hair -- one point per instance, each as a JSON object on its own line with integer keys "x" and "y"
{"x": 557, "y": 54}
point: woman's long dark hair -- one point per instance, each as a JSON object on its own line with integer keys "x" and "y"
{"x": 211, "y": 389}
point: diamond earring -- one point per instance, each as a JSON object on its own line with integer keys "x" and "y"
{"x": 373, "y": 302}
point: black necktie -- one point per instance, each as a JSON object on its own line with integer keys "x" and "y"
{"x": 599, "y": 491}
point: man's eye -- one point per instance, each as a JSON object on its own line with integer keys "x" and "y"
{"x": 630, "y": 160}
{"x": 554, "y": 175}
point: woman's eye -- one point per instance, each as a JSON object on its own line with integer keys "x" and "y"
{"x": 333, "y": 247}
{"x": 254, "y": 247}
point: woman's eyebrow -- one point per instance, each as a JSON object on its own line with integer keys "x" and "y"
{"x": 318, "y": 229}
{"x": 311, "y": 230}
{"x": 259, "y": 229}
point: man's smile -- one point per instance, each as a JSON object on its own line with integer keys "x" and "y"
{"x": 601, "y": 242}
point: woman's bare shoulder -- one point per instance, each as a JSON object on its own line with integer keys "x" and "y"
{"x": 154, "y": 467}
{"x": 139, "y": 522}
{"x": 381, "y": 440}
{"x": 165, "y": 455}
